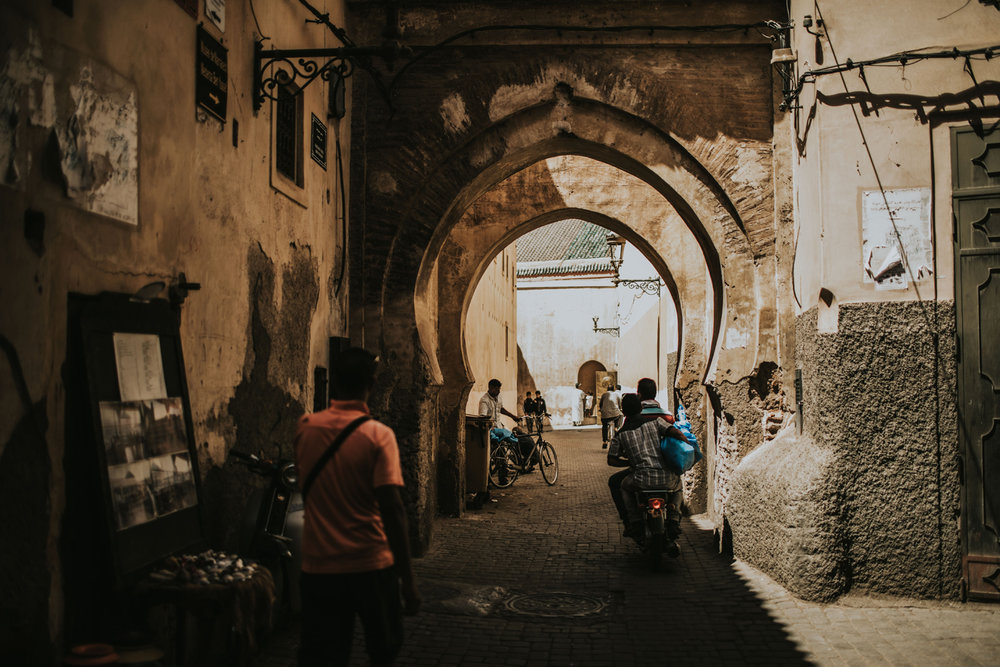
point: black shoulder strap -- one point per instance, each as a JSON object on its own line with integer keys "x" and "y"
{"x": 330, "y": 451}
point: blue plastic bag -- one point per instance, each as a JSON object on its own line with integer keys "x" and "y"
{"x": 681, "y": 455}
{"x": 502, "y": 435}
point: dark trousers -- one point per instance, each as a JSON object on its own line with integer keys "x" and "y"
{"x": 615, "y": 486}
{"x": 329, "y": 604}
{"x": 606, "y": 423}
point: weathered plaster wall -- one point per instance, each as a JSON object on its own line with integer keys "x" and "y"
{"x": 866, "y": 499}
{"x": 555, "y": 331}
{"x": 268, "y": 265}
{"x": 491, "y": 334}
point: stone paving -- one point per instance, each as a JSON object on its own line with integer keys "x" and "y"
{"x": 542, "y": 576}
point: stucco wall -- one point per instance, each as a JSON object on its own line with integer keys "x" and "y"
{"x": 491, "y": 334}
{"x": 866, "y": 498}
{"x": 269, "y": 265}
{"x": 556, "y": 336}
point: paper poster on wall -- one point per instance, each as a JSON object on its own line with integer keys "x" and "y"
{"x": 140, "y": 367}
{"x": 149, "y": 466}
{"x": 884, "y": 263}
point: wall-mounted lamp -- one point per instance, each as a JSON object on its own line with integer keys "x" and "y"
{"x": 616, "y": 251}
{"x": 611, "y": 331}
{"x": 783, "y": 59}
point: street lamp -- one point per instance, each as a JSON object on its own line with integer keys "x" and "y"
{"x": 616, "y": 250}
{"x": 611, "y": 331}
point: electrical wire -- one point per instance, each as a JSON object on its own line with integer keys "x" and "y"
{"x": 941, "y": 18}
{"x": 259, "y": 31}
{"x": 931, "y": 326}
{"x": 901, "y": 59}
{"x": 878, "y": 178}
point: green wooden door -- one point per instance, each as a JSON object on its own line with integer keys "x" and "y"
{"x": 976, "y": 207}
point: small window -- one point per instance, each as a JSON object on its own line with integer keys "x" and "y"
{"x": 288, "y": 134}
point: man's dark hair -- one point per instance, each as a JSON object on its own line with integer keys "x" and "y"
{"x": 631, "y": 405}
{"x": 538, "y": 392}
{"x": 493, "y": 383}
{"x": 646, "y": 388}
{"x": 352, "y": 372}
{"x": 527, "y": 393}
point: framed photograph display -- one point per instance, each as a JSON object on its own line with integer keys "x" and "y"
{"x": 141, "y": 417}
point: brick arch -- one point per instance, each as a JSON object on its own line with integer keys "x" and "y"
{"x": 434, "y": 204}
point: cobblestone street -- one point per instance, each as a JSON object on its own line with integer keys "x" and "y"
{"x": 489, "y": 578}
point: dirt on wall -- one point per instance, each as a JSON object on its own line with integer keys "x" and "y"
{"x": 270, "y": 399}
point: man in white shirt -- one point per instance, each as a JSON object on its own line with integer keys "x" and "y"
{"x": 491, "y": 405}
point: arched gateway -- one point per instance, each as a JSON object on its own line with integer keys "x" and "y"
{"x": 476, "y": 172}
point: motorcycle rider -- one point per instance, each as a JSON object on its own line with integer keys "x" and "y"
{"x": 637, "y": 445}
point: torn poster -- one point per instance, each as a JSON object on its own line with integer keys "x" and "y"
{"x": 889, "y": 260}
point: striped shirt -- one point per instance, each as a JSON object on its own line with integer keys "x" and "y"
{"x": 641, "y": 446}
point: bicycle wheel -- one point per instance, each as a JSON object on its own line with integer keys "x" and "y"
{"x": 503, "y": 466}
{"x": 548, "y": 462}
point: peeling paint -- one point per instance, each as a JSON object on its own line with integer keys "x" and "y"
{"x": 736, "y": 339}
{"x": 98, "y": 148}
{"x": 751, "y": 169}
{"x": 454, "y": 114}
{"x": 22, "y": 71}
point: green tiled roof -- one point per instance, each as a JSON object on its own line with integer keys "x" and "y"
{"x": 567, "y": 247}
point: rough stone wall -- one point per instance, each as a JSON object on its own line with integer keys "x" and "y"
{"x": 877, "y": 511}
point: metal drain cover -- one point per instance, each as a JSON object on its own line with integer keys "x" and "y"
{"x": 555, "y": 605}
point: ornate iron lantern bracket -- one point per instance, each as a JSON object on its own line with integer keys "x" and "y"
{"x": 649, "y": 286}
{"x": 300, "y": 67}
{"x": 611, "y": 331}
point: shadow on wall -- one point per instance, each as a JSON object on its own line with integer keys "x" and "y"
{"x": 525, "y": 380}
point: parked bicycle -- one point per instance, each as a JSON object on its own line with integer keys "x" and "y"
{"x": 507, "y": 460}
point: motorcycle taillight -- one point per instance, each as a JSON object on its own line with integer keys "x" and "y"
{"x": 655, "y": 503}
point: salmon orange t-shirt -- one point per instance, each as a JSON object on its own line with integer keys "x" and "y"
{"x": 343, "y": 530}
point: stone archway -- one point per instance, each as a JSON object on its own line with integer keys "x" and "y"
{"x": 495, "y": 219}
{"x": 588, "y": 129}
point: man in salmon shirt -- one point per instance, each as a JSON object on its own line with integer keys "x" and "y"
{"x": 355, "y": 549}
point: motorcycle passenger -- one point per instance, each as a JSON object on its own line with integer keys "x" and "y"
{"x": 637, "y": 445}
{"x": 651, "y": 408}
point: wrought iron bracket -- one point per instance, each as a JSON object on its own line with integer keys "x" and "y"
{"x": 611, "y": 331}
{"x": 275, "y": 68}
{"x": 649, "y": 286}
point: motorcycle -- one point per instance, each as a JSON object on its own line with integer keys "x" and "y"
{"x": 661, "y": 525}
{"x": 271, "y": 528}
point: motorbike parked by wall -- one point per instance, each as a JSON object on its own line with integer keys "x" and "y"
{"x": 271, "y": 528}
{"x": 661, "y": 525}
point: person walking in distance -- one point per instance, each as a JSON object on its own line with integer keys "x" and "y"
{"x": 529, "y": 409}
{"x": 610, "y": 414}
{"x": 355, "y": 548}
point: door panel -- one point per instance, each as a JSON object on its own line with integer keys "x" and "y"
{"x": 976, "y": 207}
